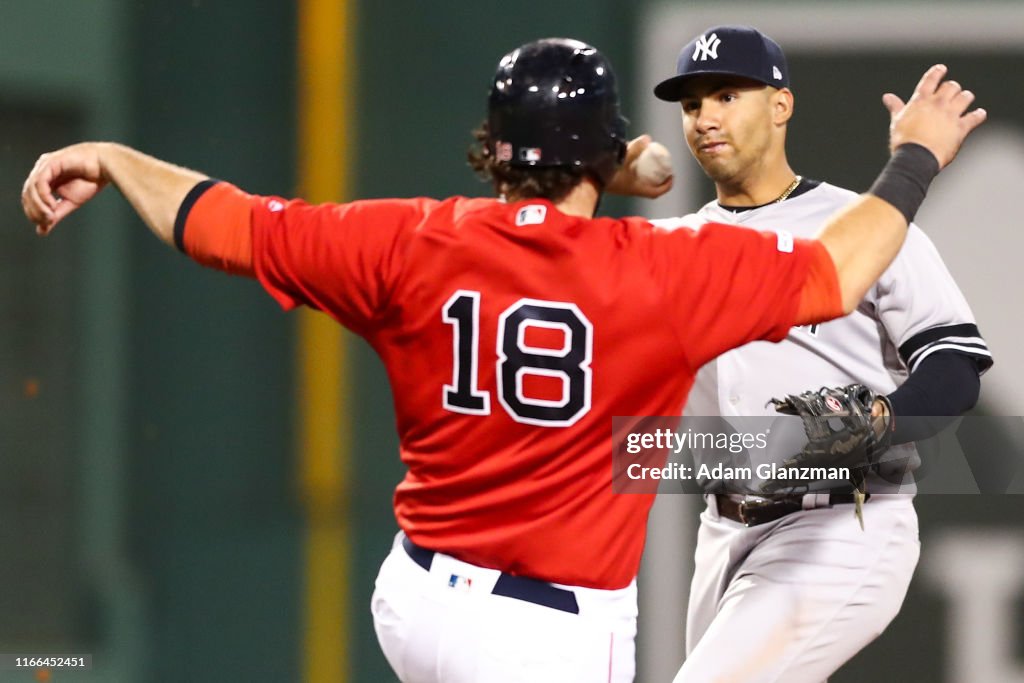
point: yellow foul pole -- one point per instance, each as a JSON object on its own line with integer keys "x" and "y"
{"x": 325, "y": 85}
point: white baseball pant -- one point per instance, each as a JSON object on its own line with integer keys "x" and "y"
{"x": 792, "y": 600}
{"x": 446, "y": 625}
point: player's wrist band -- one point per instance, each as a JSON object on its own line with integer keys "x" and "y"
{"x": 904, "y": 180}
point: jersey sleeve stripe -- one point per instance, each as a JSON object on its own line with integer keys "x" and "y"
{"x": 977, "y": 351}
{"x": 975, "y": 343}
{"x": 965, "y": 332}
{"x": 186, "y": 207}
{"x": 218, "y": 230}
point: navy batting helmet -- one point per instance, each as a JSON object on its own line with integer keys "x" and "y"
{"x": 554, "y": 103}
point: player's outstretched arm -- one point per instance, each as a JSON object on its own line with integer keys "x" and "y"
{"x": 864, "y": 238}
{"x": 64, "y": 180}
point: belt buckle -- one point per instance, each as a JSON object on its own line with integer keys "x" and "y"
{"x": 741, "y": 510}
{"x": 747, "y": 510}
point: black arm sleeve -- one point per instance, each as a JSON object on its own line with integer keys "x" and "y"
{"x": 944, "y": 385}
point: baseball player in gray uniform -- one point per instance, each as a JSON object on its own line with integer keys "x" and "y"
{"x": 782, "y": 595}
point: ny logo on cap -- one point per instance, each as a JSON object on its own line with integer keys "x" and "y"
{"x": 707, "y": 46}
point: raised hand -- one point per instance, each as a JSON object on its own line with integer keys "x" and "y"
{"x": 934, "y": 117}
{"x": 60, "y": 183}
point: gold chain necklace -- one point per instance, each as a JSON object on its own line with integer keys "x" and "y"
{"x": 789, "y": 190}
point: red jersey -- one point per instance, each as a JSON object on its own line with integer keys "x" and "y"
{"x": 512, "y": 334}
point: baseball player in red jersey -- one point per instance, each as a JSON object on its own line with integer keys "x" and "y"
{"x": 512, "y": 330}
{"x": 792, "y": 592}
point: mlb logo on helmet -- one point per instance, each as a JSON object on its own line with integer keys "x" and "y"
{"x": 529, "y": 154}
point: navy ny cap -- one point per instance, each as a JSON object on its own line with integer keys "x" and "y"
{"x": 731, "y": 50}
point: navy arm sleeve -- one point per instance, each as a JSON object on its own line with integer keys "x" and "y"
{"x": 942, "y": 387}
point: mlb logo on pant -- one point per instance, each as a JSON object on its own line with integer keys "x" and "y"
{"x": 460, "y": 582}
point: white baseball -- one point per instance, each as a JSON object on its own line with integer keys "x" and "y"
{"x": 654, "y": 165}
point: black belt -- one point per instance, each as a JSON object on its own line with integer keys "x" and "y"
{"x": 518, "y": 587}
{"x": 754, "y": 512}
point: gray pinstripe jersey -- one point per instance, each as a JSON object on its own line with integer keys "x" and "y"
{"x": 913, "y": 310}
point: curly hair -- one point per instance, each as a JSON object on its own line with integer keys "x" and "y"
{"x": 551, "y": 183}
